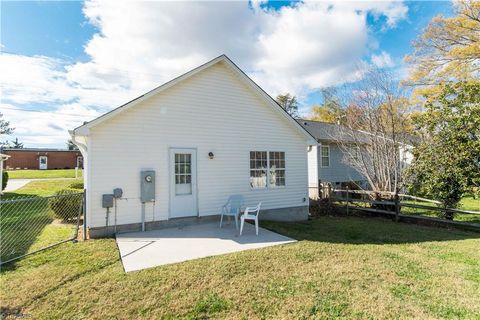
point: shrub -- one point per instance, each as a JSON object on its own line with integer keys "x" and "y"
{"x": 322, "y": 207}
{"x": 66, "y": 204}
{"x": 4, "y": 179}
{"x": 77, "y": 185}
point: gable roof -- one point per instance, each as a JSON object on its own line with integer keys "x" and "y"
{"x": 84, "y": 129}
{"x": 332, "y": 132}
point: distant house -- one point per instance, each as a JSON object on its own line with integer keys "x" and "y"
{"x": 42, "y": 158}
{"x": 179, "y": 151}
{"x": 326, "y": 160}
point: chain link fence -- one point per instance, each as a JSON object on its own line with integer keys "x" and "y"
{"x": 30, "y": 224}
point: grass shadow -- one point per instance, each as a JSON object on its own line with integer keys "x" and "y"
{"x": 364, "y": 230}
{"x": 23, "y": 218}
{"x": 18, "y": 311}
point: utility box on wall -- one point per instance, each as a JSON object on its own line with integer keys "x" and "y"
{"x": 107, "y": 200}
{"x": 147, "y": 186}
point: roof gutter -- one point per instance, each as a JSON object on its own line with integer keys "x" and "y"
{"x": 82, "y": 146}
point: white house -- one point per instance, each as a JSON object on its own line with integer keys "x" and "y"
{"x": 180, "y": 150}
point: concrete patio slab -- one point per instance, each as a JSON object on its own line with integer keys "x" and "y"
{"x": 141, "y": 250}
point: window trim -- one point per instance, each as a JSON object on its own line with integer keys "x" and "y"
{"x": 250, "y": 169}
{"x": 183, "y": 174}
{"x": 321, "y": 156}
{"x": 272, "y": 186}
{"x": 267, "y": 185}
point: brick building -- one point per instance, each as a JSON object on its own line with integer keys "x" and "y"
{"x": 42, "y": 158}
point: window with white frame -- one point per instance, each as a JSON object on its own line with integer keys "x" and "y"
{"x": 258, "y": 169}
{"x": 267, "y": 167}
{"x": 276, "y": 161}
{"x": 183, "y": 173}
{"x": 325, "y": 156}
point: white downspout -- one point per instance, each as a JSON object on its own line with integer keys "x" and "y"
{"x": 82, "y": 146}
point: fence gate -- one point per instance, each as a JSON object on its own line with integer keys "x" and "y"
{"x": 30, "y": 224}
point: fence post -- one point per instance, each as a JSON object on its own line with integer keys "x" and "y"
{"x": 84, "y": 204}
{"x": 347, "y": 200}
{"x": 319, "y": 190}
{"x": 397, "y": 206}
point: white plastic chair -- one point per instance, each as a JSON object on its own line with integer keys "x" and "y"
{"x": 232, "y": 208}
{"x": 251, "y": 213}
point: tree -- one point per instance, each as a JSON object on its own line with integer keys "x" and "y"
{"x": 16, "y": 144}
{"x": 71, "y": 145}
{"x": 447, "y": 161}
{"x": 323, "y": 114}
{"x": 331, "y": 110}
{"x": 447, "y": 51}
{"x": 288, "y": 103}
{"x": 5, "y": 128}
{"x": 376, "y": 130}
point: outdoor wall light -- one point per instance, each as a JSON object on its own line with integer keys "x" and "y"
{"x": 211, "y": 155}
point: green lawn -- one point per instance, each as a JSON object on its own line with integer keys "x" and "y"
{"x": 28, "y": 225}
{"x": 43, "y": 174}
{"x": 42, "y": 188}
{"x": 467, "y": 203}
{"x": 470, "y": 204}
{"x": 342, "y": 267}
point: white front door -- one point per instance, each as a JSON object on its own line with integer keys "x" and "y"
{"x": 42, "y": 162}
{"x": 183, "y": 183}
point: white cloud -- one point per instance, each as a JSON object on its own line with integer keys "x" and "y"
{"x": 382, "y": 60}
{"x": 33, "y": 79}
{"x": 47, "y": 129}
{"x": 143, "y": 44}
{"x": 393, "y": 10}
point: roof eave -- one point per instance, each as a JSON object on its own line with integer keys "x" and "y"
{"x": 84, "y": 130}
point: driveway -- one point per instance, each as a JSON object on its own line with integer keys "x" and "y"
{"x": 141, "y": 250}
{"x": 14, "y": 184}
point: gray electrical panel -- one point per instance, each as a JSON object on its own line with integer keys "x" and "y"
{"x": 147, "y": 186}
{"x": 107, "y": 200}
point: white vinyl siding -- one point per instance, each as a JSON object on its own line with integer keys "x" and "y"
{"x": 313, "y": 167}
{"x": 212, "y": 111}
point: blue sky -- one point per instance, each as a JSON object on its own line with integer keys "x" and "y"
{"x": 51, "y": 28}
{"x": 61, "y": 34}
